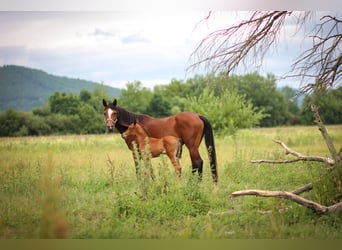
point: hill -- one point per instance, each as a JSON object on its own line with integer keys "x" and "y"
{"x": 25, "y": 88}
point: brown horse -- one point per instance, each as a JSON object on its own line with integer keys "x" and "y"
{"x": 189, "y": 127}
{"x": 169, "y": 145}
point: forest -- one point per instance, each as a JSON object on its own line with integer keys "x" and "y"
{"x": 230, "y": 103}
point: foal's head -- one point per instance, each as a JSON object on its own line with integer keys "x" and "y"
{"x": 134, "y": 129}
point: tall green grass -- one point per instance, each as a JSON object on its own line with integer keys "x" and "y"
{"x": 86, "y": 187}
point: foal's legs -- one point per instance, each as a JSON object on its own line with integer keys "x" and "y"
{"x": 175, "y": 162}
{"x": 145, "y": 160}
{"x": 136, "y": 162}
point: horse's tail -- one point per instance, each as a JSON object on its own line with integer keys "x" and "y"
{"x": 179, "y": 149}
{"x": 209, "y": 142}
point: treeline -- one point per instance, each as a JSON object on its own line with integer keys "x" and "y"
{"x": 279, "y": 106}
{"x": 230, "y": 103}
{"x": 62, "y": 114}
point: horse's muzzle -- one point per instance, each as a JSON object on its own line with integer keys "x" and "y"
{"x": 110, "y": 128}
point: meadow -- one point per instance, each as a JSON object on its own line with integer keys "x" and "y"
{"x": 85, "y": 186}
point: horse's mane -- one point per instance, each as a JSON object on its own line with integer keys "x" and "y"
{"x": 126, "y": 118}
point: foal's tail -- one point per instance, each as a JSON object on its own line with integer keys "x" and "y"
{"x": 209, "y": 142}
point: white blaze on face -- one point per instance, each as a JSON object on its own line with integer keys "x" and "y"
{"x": 110, "y": 122}
{"x": 110, "y": 112}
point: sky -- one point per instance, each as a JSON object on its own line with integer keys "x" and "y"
{"x": 121, "y": 46}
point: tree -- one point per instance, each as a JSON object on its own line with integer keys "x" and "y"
{"x": 292, "y": 105}
{"x": 264, "y": 95}
{"x": 247, "y": 42}
{"x": 175, "y": 93}
{"x": 135, "y": 98}
{"x": 226, "y": 112}
{"x": 330, "y": 107}
{"x": 319, "y": 69}
{"x": 85, "y": 96}
{"x": 158, "y": 107}
{"x": 67, "y": 104}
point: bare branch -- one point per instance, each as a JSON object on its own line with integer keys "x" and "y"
{"x": 316, "y": 207}
{"x": 302, "y": 189}
{"x": 325, "y": 134}
{"x": 246, "y": 42}
{"x": 299, "y": 157}
{"x": 321, "y": 64}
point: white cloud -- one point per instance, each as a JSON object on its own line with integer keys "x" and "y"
{"x": 117, "y": 47}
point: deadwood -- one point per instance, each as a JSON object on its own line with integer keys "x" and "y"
{"x": 302, "y": 189}
{"x": 247, "y": 43}
{"x": 299, "y": 157}
{"x": 316, "y": 207}
{"x": 294, "y": 195}
{"x": 319, "y": 67}
{"x": 317, "y": 119}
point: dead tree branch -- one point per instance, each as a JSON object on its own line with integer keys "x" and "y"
{"x": 321, "y": 64}
{"x": 316, "y": 207}
{"x": 302, "y": 189}
{"x": 324, "y": 132}
{"x": 246, "y": 42}
{"x": 294, "y": 195}
{"x": 299, "y": 157}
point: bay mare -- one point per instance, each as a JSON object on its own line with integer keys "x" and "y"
{"x": 188, "y": 126}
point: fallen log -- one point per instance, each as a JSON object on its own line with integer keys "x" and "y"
{"x": 316, "y": 207}
{"x": 299, "y": 157}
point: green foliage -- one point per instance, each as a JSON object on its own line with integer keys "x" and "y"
{"x": 19, "y": 123}
{"x": 226, "y": 112}
{"x": 158, "y": 107}
{"x": 230, "y": 103}
{"x": 66, "y": 104}
{"x": 263, "y": 93}
{"x": 135, "y": 98}
{"x": 63, "y": 114}
{"x": 330, "y": 107}
{"x": 25, "y": 89}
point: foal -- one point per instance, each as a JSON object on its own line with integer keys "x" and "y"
{"x": 169, "y": 145}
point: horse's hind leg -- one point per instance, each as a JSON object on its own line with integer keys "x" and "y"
{"x": 197, "y": 162}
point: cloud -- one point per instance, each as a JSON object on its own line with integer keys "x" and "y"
{"x": 134, "y": 38}
{"x": 117, "y": 47}
{"x": 99, "y": 32}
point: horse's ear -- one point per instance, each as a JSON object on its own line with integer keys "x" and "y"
{"x": 135, "y": 122}
{"x": 104, "y": 103}
{"x": 115, "y": 102}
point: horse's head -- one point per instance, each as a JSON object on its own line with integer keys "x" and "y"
{"x": 134, "y": 129}
{"x": 111, "y": 114}
{"x": 131, "y": 130}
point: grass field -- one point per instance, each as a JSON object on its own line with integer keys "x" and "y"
{"x": 86, "y": 187}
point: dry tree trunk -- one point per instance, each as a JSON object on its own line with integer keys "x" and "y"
{"x": 335, "y": 161}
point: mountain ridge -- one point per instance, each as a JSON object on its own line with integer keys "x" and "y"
{"x": 24, "y": 88}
